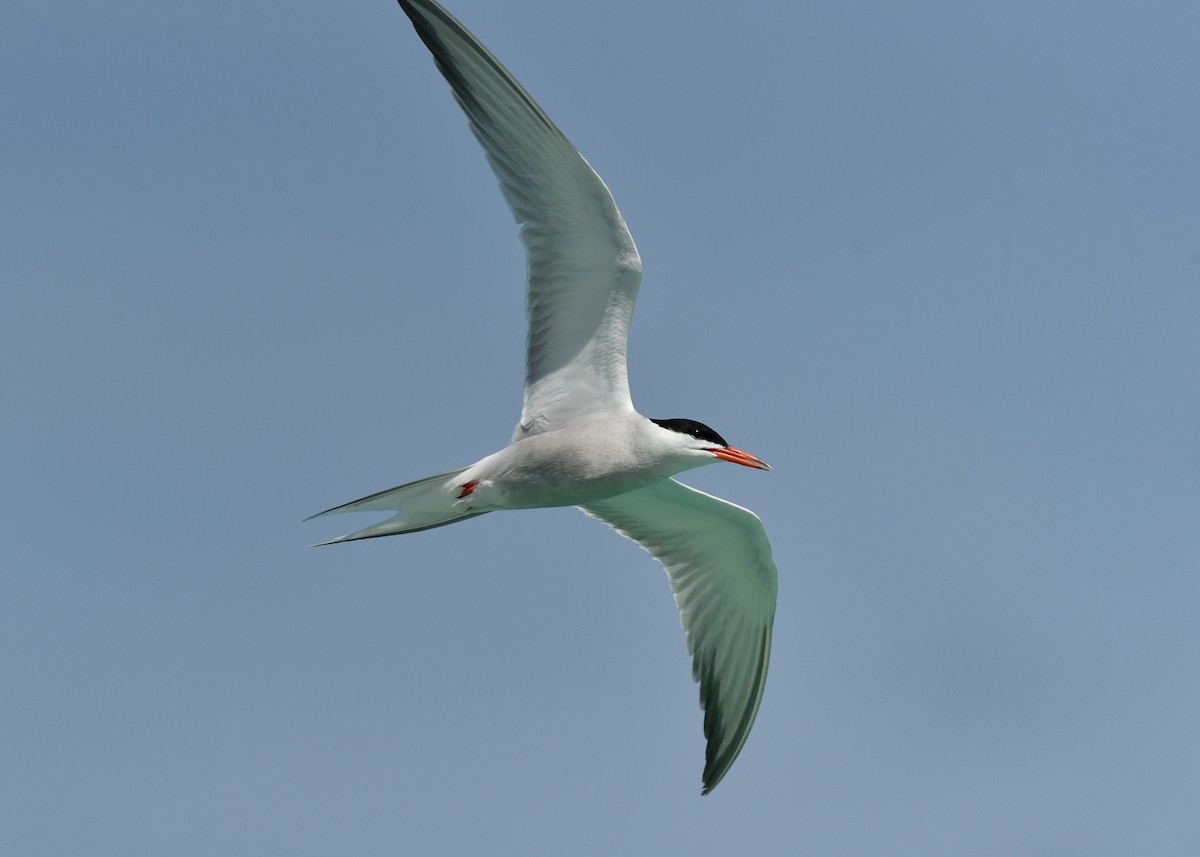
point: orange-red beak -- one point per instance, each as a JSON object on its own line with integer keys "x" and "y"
{"x": 745, "y": 459}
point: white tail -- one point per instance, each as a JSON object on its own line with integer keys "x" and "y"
{"x": 420, "y": 505}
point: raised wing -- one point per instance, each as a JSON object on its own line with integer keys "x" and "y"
{"x": 724, "y": 579}
{"x": 583, "y": 267}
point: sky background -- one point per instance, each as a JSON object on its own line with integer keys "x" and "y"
{"x": 937, "y": 262}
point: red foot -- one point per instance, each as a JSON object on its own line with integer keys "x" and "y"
{"x": 467, "y": 488}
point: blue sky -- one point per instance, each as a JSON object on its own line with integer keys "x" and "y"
{"x": 939, "y": 263}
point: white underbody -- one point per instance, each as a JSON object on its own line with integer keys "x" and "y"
{"x": 573, "y": 466}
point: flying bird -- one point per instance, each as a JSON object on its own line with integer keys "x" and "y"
{"x": 579, "y": 441}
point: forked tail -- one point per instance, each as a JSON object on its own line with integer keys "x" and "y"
{"x": 421, "y": 505}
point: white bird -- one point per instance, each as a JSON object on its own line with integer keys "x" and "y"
{"x": 579, "y": 441}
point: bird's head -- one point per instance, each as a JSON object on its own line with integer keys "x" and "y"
{"x": 698, "y": 437}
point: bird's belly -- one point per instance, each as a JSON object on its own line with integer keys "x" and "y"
{"x": 532, "y": 491}
{"x": 560, "y": 480}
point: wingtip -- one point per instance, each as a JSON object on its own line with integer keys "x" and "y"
{"x": 712, "y": 779}
{"x": 712, "y": 776}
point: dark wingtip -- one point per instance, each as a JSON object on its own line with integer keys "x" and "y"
{"x": 718, "y": 760}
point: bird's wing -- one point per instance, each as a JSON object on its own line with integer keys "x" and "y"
{"x": 583, "y": 267}
{"x": 724, "y": 579}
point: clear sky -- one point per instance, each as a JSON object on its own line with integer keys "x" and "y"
{"x": 937, "y": 262}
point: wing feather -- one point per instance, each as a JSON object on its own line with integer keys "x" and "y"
{"x": 583, "y": 269}
{"x": 719, "y": 561}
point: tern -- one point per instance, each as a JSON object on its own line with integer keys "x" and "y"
{"x": 579, "y": 441}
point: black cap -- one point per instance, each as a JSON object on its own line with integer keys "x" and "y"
{"x": 690, "y": 427}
